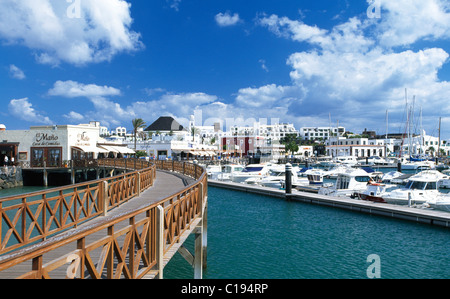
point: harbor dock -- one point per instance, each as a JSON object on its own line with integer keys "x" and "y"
{"x": 426, "y": 216}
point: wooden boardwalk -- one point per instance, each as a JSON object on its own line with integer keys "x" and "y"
{"x": 166, "y": 184}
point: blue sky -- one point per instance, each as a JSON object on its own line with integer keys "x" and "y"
{"x": 302, "y": 62}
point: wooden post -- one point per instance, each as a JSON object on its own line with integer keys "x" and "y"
{"x": 205, "y": 234}
{"x": 138, "y": 183}
{"x": 160, "y": 241}
{"x": 45, "y": 175}
{"x": 72, "y": 171}
{"x": 198, "y": 256}
{"x": 104, "y": 190}
{"x": 288, "y": 181}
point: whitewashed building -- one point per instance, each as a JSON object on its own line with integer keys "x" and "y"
{"x": 55, "y": 144}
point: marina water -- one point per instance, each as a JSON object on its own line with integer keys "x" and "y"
{"x": 259, "y": 237}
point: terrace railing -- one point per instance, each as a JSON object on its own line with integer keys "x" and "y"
{"x": 132, "y": 250}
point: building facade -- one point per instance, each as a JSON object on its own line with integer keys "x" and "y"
{"x": 54, "y": 144}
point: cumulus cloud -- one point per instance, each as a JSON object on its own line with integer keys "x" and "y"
{"x": 226, "y": 19}
{"x": 16, "y": 73}
{"x": 74, "y": 116}
{"x": 359, "y": 68}
{"x": 23, "y": 109}
{"x": 404, "y": 21}
{"x": 73, "y": 89}
{"x": 77, "y": 33}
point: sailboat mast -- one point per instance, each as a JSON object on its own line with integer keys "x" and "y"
{"x": 439, "y": 140}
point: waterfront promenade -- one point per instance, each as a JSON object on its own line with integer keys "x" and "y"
{"x": 136, "y": 239}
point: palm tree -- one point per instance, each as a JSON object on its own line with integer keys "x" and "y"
{"x": 137, "y": 124}
{"x": 194, "y": 131}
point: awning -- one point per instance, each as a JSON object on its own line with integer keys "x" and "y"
{"x": 118, "y": 149}
{"x": 91, "y": 149}
{"x": 109, "y": 148}
{"x": 124, "y": 150}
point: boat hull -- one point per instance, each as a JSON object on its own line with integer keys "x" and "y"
{"x": 373, "y": 198}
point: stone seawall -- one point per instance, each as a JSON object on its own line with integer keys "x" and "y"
{"x": 10, "y": 177}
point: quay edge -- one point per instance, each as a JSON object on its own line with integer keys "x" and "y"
{"x": 425, "y": 216}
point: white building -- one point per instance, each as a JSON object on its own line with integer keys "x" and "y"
{"x": 324, "y": 133}
{"x": 358, "y": 147}
{"x": 54, "y": 144}
{"x": 271, "y": 132}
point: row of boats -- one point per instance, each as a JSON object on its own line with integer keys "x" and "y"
{"x": 422, "y": 189}
{"x": 407, "y": 163}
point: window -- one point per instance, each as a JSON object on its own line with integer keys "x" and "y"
{"x": 362, "y": 179}
{"x": 52, "y": 156}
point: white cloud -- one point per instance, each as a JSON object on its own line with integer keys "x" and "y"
{"x": 226, "y": 19}
{"x": 72, "y": 89}
{"x": 101, "y": 31}
{"x": 16, "y": 73}
{"x": 175, "y": 4}
{"x": 74, "y": 116}
{"x": 353, "y": 71}
{"x": 403, "y": 22}
{"x": 296, "y": 30}
{"x": 267, "y": 96}
{"x": 23, "y": 109}
{"x": 263, "y": 65}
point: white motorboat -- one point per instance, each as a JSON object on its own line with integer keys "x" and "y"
{"x": 251, "y": 171}
{"x": 213, "y": 171}
{"x": 276, "y": 173}
{"x": 420, "y": 188}
{"x": 440, "y": 202}
{"x": 314, "y": 176}
{"x": 335, "y": 171}
{"x": 273, "y": 179}
{"x": 418, "y": 165}
{"x": 445, "y": 180}
{"x": 375, "y": 191}
{"x": 372, "y": 160}
{"x": 389, "y": 176}
{"x": 348, "y": 183}
{"x": 228, "y": 170}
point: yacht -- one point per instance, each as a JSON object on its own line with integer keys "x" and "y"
{"x": 229, "y": 170}
{"x": 372, "y": 160}
{"x": 421, "y": 187}
{"x": 375, "y": 191}
{"x": 347, "y": 160}
{"x": 213, "y": 171}
{"x": 275, "y": 178}
{"x": 389, "y": 176}
{"x": 335, "y": 171}
{"x": 276, "y": 174}
{"x": 347, "y": 184}
{"x": 251, "y": 171}
{"x": 418, "y": 165}
{"x": 440, "y": 202}
{"x": 445, "y": 180}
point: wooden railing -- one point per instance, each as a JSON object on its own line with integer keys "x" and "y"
{"x": 36, "y": 216}
{"x": 133, "y": 243}
{"x": 83, "y": 163}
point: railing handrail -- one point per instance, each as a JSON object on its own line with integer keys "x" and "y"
{"x": 22, "y": 207}
{"x": 180, "y": 209}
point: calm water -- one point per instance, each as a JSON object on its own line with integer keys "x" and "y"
{"x": 257, "y": 237}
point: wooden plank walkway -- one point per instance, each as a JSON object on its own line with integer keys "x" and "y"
{"x": 166, "y": 184}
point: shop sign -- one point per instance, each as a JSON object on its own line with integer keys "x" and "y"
{"x": 45, "y": 139}
{"x": 83, "y": 140}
